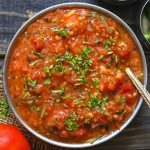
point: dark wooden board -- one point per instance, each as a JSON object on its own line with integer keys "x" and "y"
{"x": 12, "y": 16}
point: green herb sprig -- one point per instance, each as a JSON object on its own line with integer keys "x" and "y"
{"x": 4, "y": 108}
{"x": 62, "y": 32}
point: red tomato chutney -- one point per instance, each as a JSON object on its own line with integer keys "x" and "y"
{"x": 66, "y": 75}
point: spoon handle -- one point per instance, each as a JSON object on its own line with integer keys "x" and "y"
{"x": 144, "y": 93}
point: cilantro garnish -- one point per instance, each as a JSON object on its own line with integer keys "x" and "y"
{"x": 62, "y": 32}
{"x": 37, "y": 54}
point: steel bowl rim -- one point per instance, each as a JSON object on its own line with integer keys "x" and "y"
{"x": 64, "y": 5}
{"x": 139, "y": 24}
{"x": 142, "y": 11}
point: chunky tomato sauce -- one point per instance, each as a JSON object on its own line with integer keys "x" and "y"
{"x": 66, "y": 75}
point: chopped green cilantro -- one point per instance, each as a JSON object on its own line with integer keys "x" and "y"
{"x": 86, "y": 51}
{"x": 108, "y": 43}
{"x": 71, "y": 123}
{"x": 47, "y": 82}
{"x": 82, "y": 79}
{"x": 34, "y": 62}
{"x": 122, "y": 112}
{"x": 60, "y": 92}
{"x": 96, "y": 102}
{"x": 67, "y": 96}
{"x": 109, "y": 52}
{"x": 87, "y": 64}
{"x": 62, "y": 32}
{"x": 78, "y": 102}
{"x": 140, "y": 76}
{"x": 48, "y": 70}
{"x": 96, "y": 82}
{"x": 122, "y": 99}
{"x": 73, "y": 116}
{"x": 37, "y": 54}
{"x": 87, "y": 121}
{"x": 31, "y": 102}
{"x": 103, "y": 19}
{"x": 26, "y": 94}
{"x": 101, "y": 57}
{"x": 35, "y": 108}
{"x": 108, "y": 64}
{"x": 31, "y": 82}
{"x": 92, "y": 14}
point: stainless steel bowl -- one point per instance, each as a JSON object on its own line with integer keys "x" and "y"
{"x": 9, "y": 52}
{"x": 143, "y": 24}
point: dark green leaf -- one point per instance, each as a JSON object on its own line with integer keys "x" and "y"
{"x": 86, "y": 51}
{"x": 62, "y": 32}
{"x": 87, "y": 121}
{"x": 122, "y": 99}
{"x": 32, "y": 82}
{"x": 37, "y": 54}
{"x": 96, "y": 82}
{"x": 78, "y": 102}
{"x": 47, "y": 82}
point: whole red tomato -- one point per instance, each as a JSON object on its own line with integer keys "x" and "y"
{"x": 11, "y": 138}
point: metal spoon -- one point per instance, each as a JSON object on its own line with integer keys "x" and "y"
{"x": 141, "y": 89}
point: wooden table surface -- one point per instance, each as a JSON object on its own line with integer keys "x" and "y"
{"x": 13, "y": 14}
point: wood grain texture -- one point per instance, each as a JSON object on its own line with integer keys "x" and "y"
{"x": 13, "y": 14}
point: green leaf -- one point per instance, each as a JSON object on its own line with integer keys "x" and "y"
{"x": 60, "y": 92}
{"x": 47, "y": 82}
{"x": 78, "y": 102}
{"x": 92, "y": 14}
{"x": 96, "y": 102}
{"x": 37, "y": 54}
{"x": 122, "y": 112}
{"x": 122, "y": 99}
{"x": 34, "y": 62}
{"x": 86, "y": 51}
{"x": 108, "y": 64}
{"x": 103, "y": 19}
{"x": 26, "y": 94}
{"x": 101, "y": 57}
{"x": 96, "y": 82}
{"x": 62, "y": 32}
{"x": 35, "y": 108}
{"x": 108, "y": 43}
{"x": 140, "y": 77}
{"x": 67, "y": 96}
{"x": 82, "y": 79}
{"x": 70, "y": 125}
{"x": 31, "y": 102}
{"x": 87, "y": 121}
{"x": 31, "y": 82}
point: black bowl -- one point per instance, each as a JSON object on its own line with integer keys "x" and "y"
{"x": 143, "y": 23}
{"x": 119, "y": 2}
